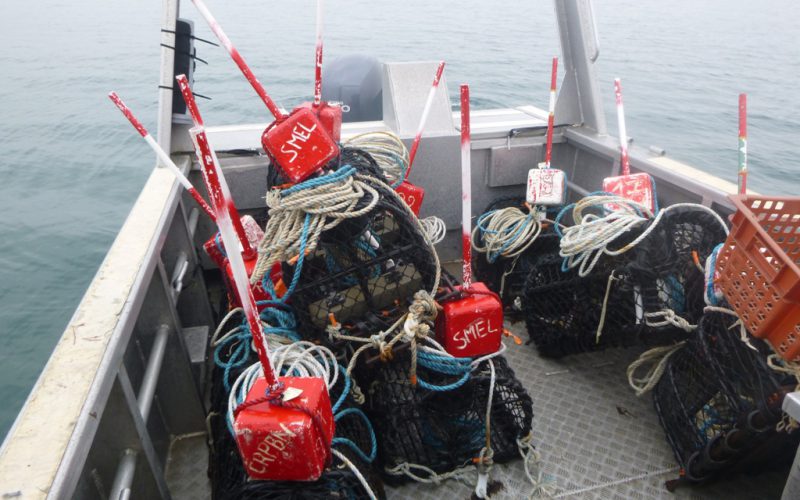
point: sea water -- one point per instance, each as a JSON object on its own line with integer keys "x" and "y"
{"x": 71, "y": 167}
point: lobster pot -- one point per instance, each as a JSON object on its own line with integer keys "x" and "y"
{"x": 563, "y": 310}
{"x": 719, "y": 403}
{"x": 506, "y": 276}
{"x": 354, "y": 438}
{"x": 363, "y": 272}
{"x": 666, "y": 270}
{"x": 440, "y": 423}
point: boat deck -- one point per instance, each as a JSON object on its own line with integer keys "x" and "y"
{"x": 596, "y": 439}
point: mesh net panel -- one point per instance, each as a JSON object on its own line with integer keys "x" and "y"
{"x": 562, "y": 310}
{"x": 442, "y": 429}
{"x": 719, "y": 402}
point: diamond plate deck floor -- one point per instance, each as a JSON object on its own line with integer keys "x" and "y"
{"x": 596, "y": 438}
{"x": 187, "y": 468}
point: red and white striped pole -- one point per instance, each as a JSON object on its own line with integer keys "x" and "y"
{"x": 466, "y": 191}
{"x": 742, "y": 143}
{"x": 215, "y": 182}
{"x": 551, "y": 114}
{"x": 162, "y": 155}
{"x": 623, "y": 135}
{"x": 425, "y": 112}
{"x": 238, "y": 59}
{"x": 318, "y": 57}
{"x": 227, "y": 217}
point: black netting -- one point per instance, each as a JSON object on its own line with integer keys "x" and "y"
{"x": 667, "y": 266}
{"x": 563, "y": 310}
{"x": 638, "y": 297}
{"x": 364, "y": 272}
{"x": 442, "y": 429}
{"x": 719, "y": 402}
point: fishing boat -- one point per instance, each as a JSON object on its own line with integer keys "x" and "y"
{"x": 121, "y": 410}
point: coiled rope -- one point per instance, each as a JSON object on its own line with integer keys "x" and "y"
{"x": 387, "y": 150}
{"x": 435, "y": 229}
{"x": 583, "y": 244}
{"x": 319, "y": 204}
{"x": 506, "y": 232}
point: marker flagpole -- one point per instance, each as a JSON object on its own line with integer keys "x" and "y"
{"x": 742, "y": 143}
{"x": 318, "y": 57}
{"x": 425, "y": 112}
{"x": 238, "y": 59}
{"x": 215, "y": 182}
{"x": 551, "y": 114}
{"x": 466, "y": 191}
{"x": 162, "y": 155}
{"x": 625, "y": 165}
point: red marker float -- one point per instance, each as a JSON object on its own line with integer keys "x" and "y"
{"x": 472, "y": 325}
{"x": 162, "y": 155}
{"x": 411, "y": 194}
{"x": 285, "y": 426}
{"x": 742, "y": 143}
{"x": 546, "y": 186}
{"x": 638, "y": 188}
{"x": 298, "y": 142}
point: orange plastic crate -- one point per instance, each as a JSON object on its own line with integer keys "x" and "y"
{"x": 759, "y": 269}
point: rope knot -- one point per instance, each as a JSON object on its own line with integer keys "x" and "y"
{"x": 272, "y": 395}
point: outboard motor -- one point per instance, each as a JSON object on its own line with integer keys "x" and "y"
{"x": 357, "y": 82}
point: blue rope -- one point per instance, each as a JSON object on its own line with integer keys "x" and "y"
{"x": 710, "y": 294}
{"x": 516, "y": 228}
{"x": 218, "y": 244}
{"x": 347, "y": 442}
{"x": 238, "y": 356}
{"x": 345, "y": 390}
{"x": 343, "y": 172}
{"x": 444, "y": 365}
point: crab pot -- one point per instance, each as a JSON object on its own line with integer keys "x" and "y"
{"x": 299, "y": 144}
{"x": 546, "y": 187}
{"x": 441, "y": 429}
{"x": 412, "y": 195}
{"x": 289, "y": 441}
{"x": 505, "y": 276}
{"x": 665, "y": 266}
{"x": 719, "y": 402}
{"x": 471, "y": 325}
{"x": 362, "y": 273}
{"x": 562, "y": 310}
{"x": 229, "y": 481}
{"x": 639, "y": 188}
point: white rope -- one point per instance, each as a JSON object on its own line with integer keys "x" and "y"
{"x": 666, "y": 317}
{"x": 430, "y": 476}
{"x": 506, "y": 232}
{"x": 584, "y": 243}
{"x": 742, "y": 329}
{"x": 386, "y": 149}
{"x": 486, "y": 454}
{"x": 327, "y": 205}
{"x": 657, "y": 358}
{"x": 435, "y": 229}
{"x": 541, "y": 486}
{"x": 231, "y": 313}
{"x": 357, "y": 473}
